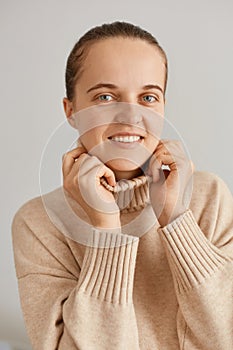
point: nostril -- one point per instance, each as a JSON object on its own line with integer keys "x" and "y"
{"x": 128, "y": 119}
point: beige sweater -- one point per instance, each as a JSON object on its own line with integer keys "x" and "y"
{"x": 152, "y": 288}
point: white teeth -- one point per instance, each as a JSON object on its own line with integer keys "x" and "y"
{"x": 126, "y": 138}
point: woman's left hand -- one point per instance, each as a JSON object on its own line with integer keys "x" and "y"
{"x": 168, "y": 187}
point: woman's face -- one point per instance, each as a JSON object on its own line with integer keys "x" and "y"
{"x": 125, "y": 70}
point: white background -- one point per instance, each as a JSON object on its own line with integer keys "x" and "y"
{"x": 36, "y": 38}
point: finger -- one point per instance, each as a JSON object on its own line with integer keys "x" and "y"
{"x": 170, "y": 146}
{"x": 156, "y": 163}
{"x": 154, "y": 169}
{"x": 108, "y": 174}
{"x": 92, "y": 165}
{"x": 163, "y": 152}
{"x": 161, "y": 157}
{"x": 74, "y": 153}
{"x": 163, "y": 143}
{"x": 172, "y": 154}
{"x": 80, "y": 145}
{"x": 153, "y": 163}
{"x": 167, "y": 159}
{"x": 69, "y": 159}
{"x": 182, "y": 169}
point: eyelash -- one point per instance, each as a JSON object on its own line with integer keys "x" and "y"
{"x": 156, "y": 99}
{"x": 99, "y": 97}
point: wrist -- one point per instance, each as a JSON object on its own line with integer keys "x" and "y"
{"x": 164, "y": 219}
{"x": 108, "y": 221}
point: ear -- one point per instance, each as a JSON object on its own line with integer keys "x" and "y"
{"x": 69, "y": 111}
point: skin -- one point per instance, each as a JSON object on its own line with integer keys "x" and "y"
{"x": 101, "y": 66}
{"x": 130, "y": 71}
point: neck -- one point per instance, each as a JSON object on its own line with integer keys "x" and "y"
{"x": 128, "y": 175}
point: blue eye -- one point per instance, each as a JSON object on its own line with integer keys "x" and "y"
{"x": 105, "y": 98}
{"x": 149, "y": 98}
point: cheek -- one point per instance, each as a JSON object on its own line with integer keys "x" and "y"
{"x": 151, "y": 143}
{"x": 92, "y": 137}
{"x": 154, "y": 125}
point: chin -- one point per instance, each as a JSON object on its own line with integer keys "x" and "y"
{"x": 122, "y": 165}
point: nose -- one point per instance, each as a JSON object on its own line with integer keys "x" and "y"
{"x": 129, "y": 114}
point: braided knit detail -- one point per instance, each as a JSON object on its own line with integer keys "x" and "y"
{"x": 130, "y": 195}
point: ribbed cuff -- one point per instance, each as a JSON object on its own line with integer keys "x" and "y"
{"x": 192, "y": 257}
{"x": 108, "y": 267}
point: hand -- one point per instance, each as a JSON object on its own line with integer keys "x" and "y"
{"x": 168, "y": 187}
{"x": 81, "y": 179}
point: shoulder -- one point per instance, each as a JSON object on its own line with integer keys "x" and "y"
{"x": 39, "y": 243}
{"x": 33, "y": 220}
{"x": 208, "y": 184}
{"x": 205, "y": 178}
{"x": 54, "y": 215}
{"x": 34, "y": 210}
{"x": 211, "y": 203}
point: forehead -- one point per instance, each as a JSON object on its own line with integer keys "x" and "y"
{"x": 119, "y": 58}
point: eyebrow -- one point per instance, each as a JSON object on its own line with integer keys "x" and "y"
{"x": 112, "y": 86}
{"x": 152, "y": 86}
{"x": 102, "y": 85}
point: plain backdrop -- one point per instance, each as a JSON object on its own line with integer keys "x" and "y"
{"x": 36, "y": 38}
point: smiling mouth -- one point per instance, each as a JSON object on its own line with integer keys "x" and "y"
{"x": 126, "y": 138}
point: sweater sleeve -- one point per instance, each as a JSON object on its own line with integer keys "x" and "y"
{"x": 70, "y": 307}
{"x": 201, "y": 263}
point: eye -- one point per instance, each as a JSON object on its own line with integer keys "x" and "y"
{"x": 149, "y": 98}
{"x": 105, "y": 98}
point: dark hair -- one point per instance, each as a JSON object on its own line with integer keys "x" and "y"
{"x": 105, "y": 31}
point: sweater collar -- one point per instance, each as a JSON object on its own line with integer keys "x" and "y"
{"x": 130, "y": 195}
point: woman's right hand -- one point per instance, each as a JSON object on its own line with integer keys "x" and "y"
{"x": 81, "y": 179}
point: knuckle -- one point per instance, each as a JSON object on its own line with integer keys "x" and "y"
{"x": 69, "y": 182}
{"x": 66, "y": 184}
{"x": 64, "y": 156}
{"x": 83, "y": 156}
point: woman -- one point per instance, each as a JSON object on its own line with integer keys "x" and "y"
{"x": 171, "y": 288}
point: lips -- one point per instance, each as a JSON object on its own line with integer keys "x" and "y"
{"x": 126, "y": 137}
